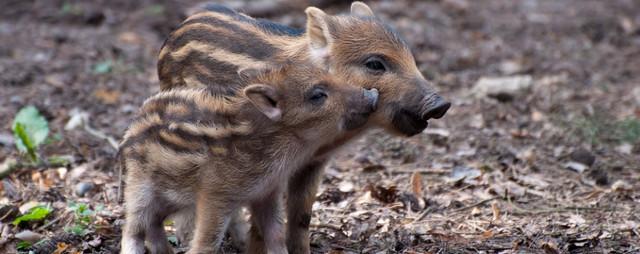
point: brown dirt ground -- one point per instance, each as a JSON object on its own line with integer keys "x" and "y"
{"x": 490, "y": 177}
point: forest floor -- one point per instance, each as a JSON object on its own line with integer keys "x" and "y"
{"x": 551, "y": 166}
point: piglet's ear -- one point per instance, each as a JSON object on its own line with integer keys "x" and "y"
{"x": 264, "y": 98}
{"x": 251, "y": 74}
{"x": 361, "y": 9}
{"x": 318, "y": 33}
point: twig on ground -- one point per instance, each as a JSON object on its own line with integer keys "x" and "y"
{"x": 328, "y": 226}
{"x": 8, "y": 168}
{"x": 523, "y": 211}
{"x": 101, "y": 135}
{"x": 45, "y": 226}
{"x": 421, "y": 171}
{"x": 474, "y": 205}
{"x": 423, "y": 214}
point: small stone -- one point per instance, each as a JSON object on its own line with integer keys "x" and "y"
{"x": 503, "y": 89}
{"x": 510, "y": 67}
{"x": 582, "y": 156}
{"x": 345, "y": 186}
{"x": 83, "y": 187}
{"x": 6, "y": 139}
{"x": 625, "y": 148}
{"x": 621, "y": 186}
{"x": 635, "y": 93}
{"x": 29, "y": 236}
{"x": 576, "y": 166}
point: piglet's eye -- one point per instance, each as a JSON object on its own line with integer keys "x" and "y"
{"x": 317, "y": 96}
{"x": 375, "y": 65}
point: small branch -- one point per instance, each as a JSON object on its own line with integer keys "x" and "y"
{"x": 423, "y": 214}
{"x": 101, "y": 135}
{"x": 8, "y": 169}
{"x": 474, "y": 205}
{"x": 329, "y": 226}
{"x": 43, "y": 227}
{"x": 422, "y": 171}
{"x": 523, "y": 211}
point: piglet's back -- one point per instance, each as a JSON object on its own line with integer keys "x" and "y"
{"x": 181, "y": 128}
{"x": 211, "y": 46}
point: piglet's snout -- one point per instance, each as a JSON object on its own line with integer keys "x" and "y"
{"x": 371, "y": 97}
{"x": 360, "y": 107}
{"x": 436, "y": 108}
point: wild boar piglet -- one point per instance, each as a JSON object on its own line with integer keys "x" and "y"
{"x": 195, "y": 148}
{"x": 358, "y": 47}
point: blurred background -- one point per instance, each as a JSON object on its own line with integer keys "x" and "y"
{"x": 540, "y": 149}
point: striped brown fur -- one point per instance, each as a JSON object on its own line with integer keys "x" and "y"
{"x": 195, "y": 150}
{"x": 211, "y": 47}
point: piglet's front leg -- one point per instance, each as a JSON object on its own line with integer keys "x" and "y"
{"x": 301, "y": 195}
{"x": 212, "y": 218}
{"x": 267, "y": 232}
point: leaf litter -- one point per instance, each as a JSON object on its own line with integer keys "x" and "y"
{"x": 546, "y": 164}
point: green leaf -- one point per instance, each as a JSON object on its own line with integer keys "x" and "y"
{"x": 53, "y": 138}
{"x": 58, "y": 161}
{"x": 103, "y": 67}
{"x": 24, "y": 142}
{"x": 30, "y": 129}
{"x": 37, "y": 213}
{"x": 23, "y": 245}
{"x": 77, "y": 229}
{"x": 155, "y": 9}
{"x": 629, "y": 130}
{"x": 173, "y": 240}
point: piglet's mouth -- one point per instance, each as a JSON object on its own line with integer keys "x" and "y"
{"x": 409, "y": 123}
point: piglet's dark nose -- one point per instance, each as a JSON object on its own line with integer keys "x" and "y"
{"x": 371, "y": 96}
{"x": 438, "y": 109}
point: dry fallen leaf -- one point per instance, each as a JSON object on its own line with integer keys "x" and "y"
{"x": 61, "y": 247}
{"x": 384, "y": 194}
{"x": 107, "y": 96}
{"x": 550, "y": 248}
{"x": 416, "y": 184}
{"x": 129, "y": 38}
{"x": 476, "y": 211}
{"x": 496, "y": 211}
